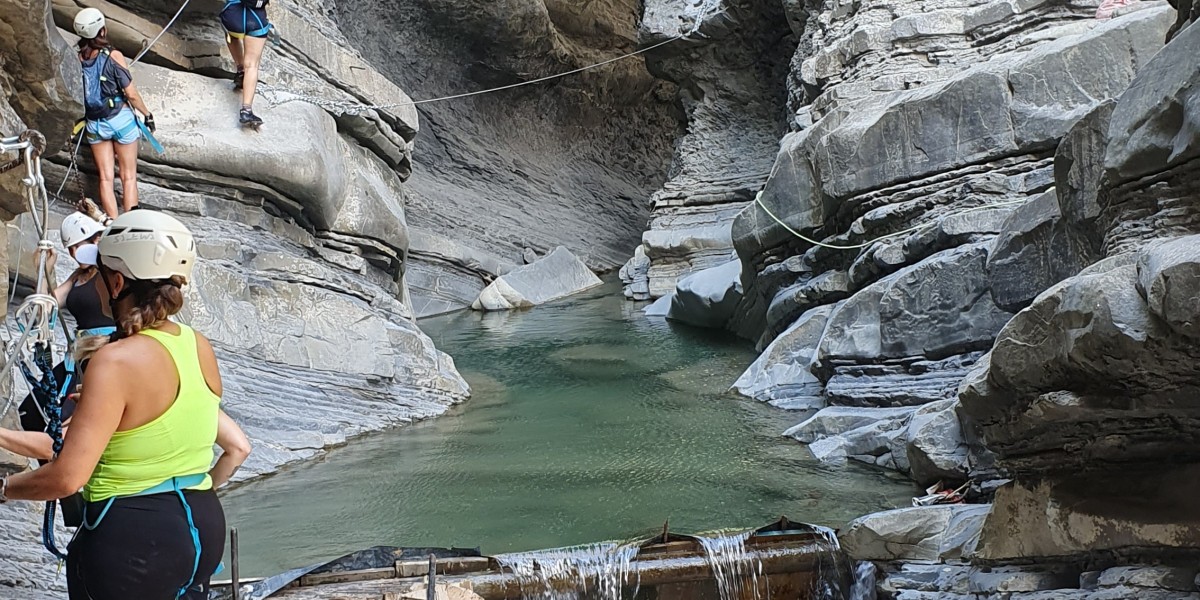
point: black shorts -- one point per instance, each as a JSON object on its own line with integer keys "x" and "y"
{"x": 241, "y": 21}
{"x": 143, "y": 548}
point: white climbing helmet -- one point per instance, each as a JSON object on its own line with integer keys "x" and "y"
{"x": 147, "y": 244}
{"x": 88, "y": 23}
{"x": 78, "y": 227}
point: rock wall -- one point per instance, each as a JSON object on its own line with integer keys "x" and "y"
{"x": 976, "y": 259}
{"x": 730, "y": 74}
{"x": 569, "y": 162}
{"x": 301, "y": 227}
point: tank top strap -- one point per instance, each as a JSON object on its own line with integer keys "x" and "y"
{"x": 183, "y": 351}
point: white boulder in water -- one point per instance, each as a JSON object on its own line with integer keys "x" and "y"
{"x": 557, "y": 275}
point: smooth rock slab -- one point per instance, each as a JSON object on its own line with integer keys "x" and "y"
{"x": 782, "y": 374}
{"x": 556, "y": 275}
{"x": 929, "y": 533}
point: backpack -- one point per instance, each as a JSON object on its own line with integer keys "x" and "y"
{"x": 101, "y": 95}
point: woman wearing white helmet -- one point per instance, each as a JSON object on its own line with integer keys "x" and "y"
{"x": 112, "y": 128}
{"x": 83, "y": 295}
{"x": 141, "y": 446}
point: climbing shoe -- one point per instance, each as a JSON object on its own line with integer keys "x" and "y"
{"x": 248, "y": 119}
{"x": 238, "y": 80}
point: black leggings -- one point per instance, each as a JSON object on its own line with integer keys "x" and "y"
{"x": 143, "y": 548}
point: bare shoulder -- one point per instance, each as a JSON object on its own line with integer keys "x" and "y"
{"x": 118, "y": 56}
{"x": 123, "y": 352}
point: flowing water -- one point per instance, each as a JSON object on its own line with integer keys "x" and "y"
{"x": 735, "y": 570}
{"x": 588, "y": 422}
{"x": 569, "y": 573}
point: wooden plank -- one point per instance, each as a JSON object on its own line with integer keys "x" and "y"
{"x": 348, "y": 576}
{"x": 445, "y": 566}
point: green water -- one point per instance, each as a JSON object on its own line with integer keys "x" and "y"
{"x": 587, "y": 422}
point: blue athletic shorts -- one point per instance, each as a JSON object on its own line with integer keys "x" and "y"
{"x": 241, "y": 21}
{"x": 120, "y": 128}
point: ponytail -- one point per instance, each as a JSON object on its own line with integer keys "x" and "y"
{"x": 153, "y": 302}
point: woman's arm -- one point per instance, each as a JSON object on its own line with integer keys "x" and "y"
{"x": 131, "y": 93}
{"x": 96, "y": 418}
{"x": 236, "y": 448}
{"x": 30, "y": 444}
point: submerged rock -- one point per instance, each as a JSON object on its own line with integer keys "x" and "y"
{"x": 557, "y": 275}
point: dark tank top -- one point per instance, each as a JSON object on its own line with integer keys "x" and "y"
{"x": 83, "y": 301}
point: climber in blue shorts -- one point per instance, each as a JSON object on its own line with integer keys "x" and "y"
{"x": 247, "y": 28}
{"x": 109, "y": 97}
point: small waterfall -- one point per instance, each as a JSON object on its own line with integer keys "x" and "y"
{"x": 734, "y": 569}
{"x": 864, "y": 582}
{"x": 565, "y": 573}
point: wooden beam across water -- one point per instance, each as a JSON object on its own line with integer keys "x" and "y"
{"x": 784, "y": 566}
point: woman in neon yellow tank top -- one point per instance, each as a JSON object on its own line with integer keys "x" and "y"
{"x": 141, "y": 440}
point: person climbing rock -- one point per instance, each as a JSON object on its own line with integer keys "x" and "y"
{"x": 110, "y": 98}
{"x": 141, "y": 440}
{"x": 247, "y": 28}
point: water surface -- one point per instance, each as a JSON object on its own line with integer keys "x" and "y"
{"x": 587, "y": 422}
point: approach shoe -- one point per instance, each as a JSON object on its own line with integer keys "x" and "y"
{"x": 248, "y": 119}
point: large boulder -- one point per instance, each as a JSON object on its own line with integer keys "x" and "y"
{"x": 556, "y": 275}
{"x": 929, "y": 533}
{"x": 708, "y": 298}
{"x": 937, "y": 450}
{"x": 1169, "y": 280}
{"x": 1078, "y": 176}
{"x": 938, "y": 307}
{"x": 1150, "y": 513}
{"x": 782, "y": 375}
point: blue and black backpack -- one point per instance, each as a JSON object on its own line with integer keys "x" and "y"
{"x": 102, "y": 94}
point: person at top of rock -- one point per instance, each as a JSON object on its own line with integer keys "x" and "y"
{"x": 141, "y": 440}
{"x": 110, "y": 97}
{"x": 246, "y": 28}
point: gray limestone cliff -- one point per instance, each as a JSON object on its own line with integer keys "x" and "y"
{"x": 976, "y": 259}
{"x": 570, "y": 162}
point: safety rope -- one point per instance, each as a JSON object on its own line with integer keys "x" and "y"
{"x": 146, "y": 48}
{"x": 348, "y": 107}
{"x": 913, "y": 229}
{"x": 37, "y": 315}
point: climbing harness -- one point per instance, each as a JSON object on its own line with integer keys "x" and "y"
{"x": 353, "y": 108}
{"x": 176, "y": 485}
{"x": 913, "y": 229}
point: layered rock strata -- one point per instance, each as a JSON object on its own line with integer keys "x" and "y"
{"x": 568, "y": 162}
{"x": 963, "y": 172}
{"x": 730, "y": 73}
